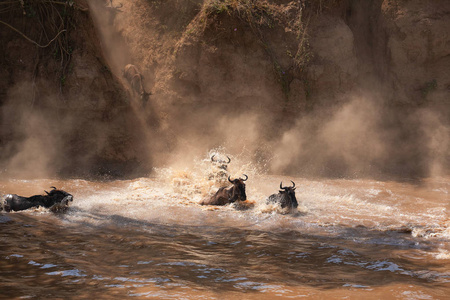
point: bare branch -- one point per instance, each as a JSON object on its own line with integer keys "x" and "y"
{"x": 30, "y": 40}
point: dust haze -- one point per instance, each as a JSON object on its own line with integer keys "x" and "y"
{"x": 365, "y": 137}
{"x": 36, "y": 145}
{"x": 46, "y": 141}
{"x": 360, "y": 136}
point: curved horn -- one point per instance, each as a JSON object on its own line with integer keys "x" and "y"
{"x": 229, "y": 179}
{"x": 229, "y": 160}
{"x": 281, "y": 185}
{"x": 212, "y": 158}
{"x": 246, "y": 177}
{"x": 53, "y": 187}
{"x": 293, "y": 186}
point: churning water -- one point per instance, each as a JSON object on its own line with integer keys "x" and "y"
{"x": 148, "y": 238}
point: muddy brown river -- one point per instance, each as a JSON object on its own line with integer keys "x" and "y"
{"x": 148, "y": 238}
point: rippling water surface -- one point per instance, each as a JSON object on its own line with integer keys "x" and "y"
{"x": 148, "y": 238}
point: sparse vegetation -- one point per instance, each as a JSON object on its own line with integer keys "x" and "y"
{"x": 172, "y": 22}
{"x": 263, "y": 19}
{"x": 51, "y": 23}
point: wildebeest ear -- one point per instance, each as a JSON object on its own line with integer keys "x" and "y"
{"x": 46, "y": 192}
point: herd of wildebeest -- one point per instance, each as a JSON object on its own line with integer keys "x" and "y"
{"x": 233, "y": 190}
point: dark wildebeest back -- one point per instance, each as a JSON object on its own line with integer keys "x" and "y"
{"x": 285, "y": 197}
{"x": 135, "y": 80}
{"x": 54, "y": 197}
{"x": 16, "y": 202}
{"x": 226, "y": 195}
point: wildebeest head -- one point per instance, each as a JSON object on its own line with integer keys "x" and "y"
{"x": 221, "y": 164}
{"x": 238, "y": 189}
{"x": 288, "y": 195}
{"x": 56, "y": 196}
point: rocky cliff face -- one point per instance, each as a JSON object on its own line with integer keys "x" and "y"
{"x": 402, "y": 46}
{"x": 62, "y": 110}
{"x": 417, "y": 49}
{"x": 330, "y": 87}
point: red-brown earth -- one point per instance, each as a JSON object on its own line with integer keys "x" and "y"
{"x": 329, "y": 88}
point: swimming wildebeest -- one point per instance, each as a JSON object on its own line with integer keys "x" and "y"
{"x": 221, "y": 164}
{"x": 55, "y": 200}
{"x": 135, "y": 80}
{"x": 219, "y": 169}
{"x": 229, "y": 194}
{"x": 285, "y": 197}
